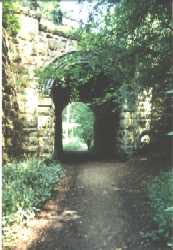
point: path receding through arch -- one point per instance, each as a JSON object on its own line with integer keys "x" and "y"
{"x": 106, "y": 208}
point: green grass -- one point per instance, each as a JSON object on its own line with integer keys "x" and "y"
{"x": 26, "y": 186}
{"x": 72, "y": 146}
{"x": 161, "y": 200}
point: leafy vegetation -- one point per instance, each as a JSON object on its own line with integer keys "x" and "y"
{"x": 161, "y": 197}
{"x": 128, "y": 43}
{"x": 51, "y": 10}
{"x": 84, "y": 116}
{"x": 10, "y": 21}
{"x": 124, "y": 49}
{"x": 26, "y": 186}
{"x": 80, "y": 115}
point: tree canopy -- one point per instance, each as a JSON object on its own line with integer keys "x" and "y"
{"x": 128, "y": 42}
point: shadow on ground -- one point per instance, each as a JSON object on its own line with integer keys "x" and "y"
{"x": 106, "y": 208}
{"x": 84, "y": 156}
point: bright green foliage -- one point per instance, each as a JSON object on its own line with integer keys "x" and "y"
{"x": 161, "y": 197}
{"x": 133, "y": 44}
{"x": 129, "y": 43}
{"x": 82, "y": 115}
{"x": 26, "y": 186}
{"x": 50, "y": 10}
{"x": 73, "y": 68}
{"x": 9, "y": 20}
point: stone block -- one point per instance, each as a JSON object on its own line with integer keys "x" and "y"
{"x": 30, "y": 148}
{"x": 42, "y": 47}
{"x": 47, "y": 101}
{"x": 28, "y": 28}
{"x": 5, "y": 156}
{"x": 8, "y": 132}
{"x": 43, "y": 121}
{"x": 8, "y": 142}
{"x": 29, "y": 130}
{"x": 44, "y": 111}
{"x": 22, "y": 106}
{"x": 53, "y": 44}
{"x": 46, "y": 148}
{"x": 29, "y": 119}
{"x": 30, "y": 140}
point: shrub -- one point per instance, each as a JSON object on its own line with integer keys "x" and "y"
{"x": 26, "y": 186}
{"x": 10, "y": 21}
{"x": 161, "y": 197}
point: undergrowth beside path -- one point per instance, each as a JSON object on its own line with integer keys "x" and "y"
{"x": 26, "y": 186}
{"x": 161, "y": 200}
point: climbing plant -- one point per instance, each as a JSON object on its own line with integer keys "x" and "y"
{"x": 130, "y": 44}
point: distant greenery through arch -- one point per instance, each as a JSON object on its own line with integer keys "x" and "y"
{"x": 123, "y": 49}
{"x": 78, "y": 127}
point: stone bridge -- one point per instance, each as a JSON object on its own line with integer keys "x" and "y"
{"x": 37, "y": 44}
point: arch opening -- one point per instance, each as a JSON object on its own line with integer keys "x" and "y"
{"x": 78, "y": 128}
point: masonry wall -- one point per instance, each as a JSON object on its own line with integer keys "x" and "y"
{"x": 133, "y": 122}
{"x": 12, "y": 124}
{"x": 28, "y": 115}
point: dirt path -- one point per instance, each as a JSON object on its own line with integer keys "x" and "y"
{"x": 105, "y": 209}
